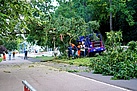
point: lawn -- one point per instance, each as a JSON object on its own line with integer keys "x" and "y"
{"x": 78, "y": 61}
{"x": 45, "y": 58}
{"x": 86, "y": 61}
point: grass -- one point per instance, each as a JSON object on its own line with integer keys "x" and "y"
{"x": 45, "y": 58}
{"x": 73, "y": 71}
{"x": 86, "y": 61}
{"x": 79, "y": 61}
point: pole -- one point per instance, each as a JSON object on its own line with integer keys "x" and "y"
{"x": 54, "y": 42}
{"x": 27, "y": 86}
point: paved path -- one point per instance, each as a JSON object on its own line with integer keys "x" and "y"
{"x": 46, "y": 78}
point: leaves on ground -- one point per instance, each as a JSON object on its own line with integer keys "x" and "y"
{"x": 31, "y": 66}
{"x": 6, "y": 71}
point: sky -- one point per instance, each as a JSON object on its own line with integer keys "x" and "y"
{"x": 55, "y": 3}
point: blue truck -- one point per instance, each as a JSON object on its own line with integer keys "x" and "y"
{"x": 93, "y": 46}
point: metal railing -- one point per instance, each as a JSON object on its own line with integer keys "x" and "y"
{"x": 27, "y": 86}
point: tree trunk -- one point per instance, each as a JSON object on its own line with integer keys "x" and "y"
{"x": 110, "y": 1}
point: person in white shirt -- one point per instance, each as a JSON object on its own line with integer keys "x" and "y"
{"x": 82, "y": 49}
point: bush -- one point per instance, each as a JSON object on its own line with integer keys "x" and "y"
{"x": 0, "y": 59}
{"x": 119, "y": 63}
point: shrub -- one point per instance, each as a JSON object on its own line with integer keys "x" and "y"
{"x": 121, "y": 64}
{"x": 0, "y": 59}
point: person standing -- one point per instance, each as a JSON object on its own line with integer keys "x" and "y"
{"x": 79, "y": 45}
{"x": 26, "y": 52}
{"x": 83, "y": 49}
{"x": 4, "y": 56}
{"x": 69, "y": 51}
{"x": 74, "y": 50}
{"x": 9, "y": 55}
{"x": 13, "y": 54}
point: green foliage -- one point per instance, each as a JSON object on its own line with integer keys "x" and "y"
{"x": 93, "y": 25}
{"x": 113, "y": 39}
{"x": 12, "y": 12}
{"x": 74, "y": 8}
{"x": 40, "y": 24}
{"x": 42, "y": 34}
{"x": 132, "y": 46}
{"x": 38, "y": 17}
{"x": 1, "y": 41}
{"x": 11, "y": 45}
{"x": 120, "y": 63}
{"x": 0, "y": 58}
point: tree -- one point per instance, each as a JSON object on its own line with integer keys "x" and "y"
{"x": 129, "y": 32}
{"x": 40, "y": 25}
{"x": 75, "y": 8}
{"x": 110, "y": 1}
{"x": 123, "y": 16}
{"x": 11, "y": 45}
{"x": 12, "y": 13}
{"x": 15, "y": 15}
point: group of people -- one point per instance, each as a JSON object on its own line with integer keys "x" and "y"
{"x": 79, "y": 50}
{"x": 9, "y": 53}
{"x": 13, "y": 53}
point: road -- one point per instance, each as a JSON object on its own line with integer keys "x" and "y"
{"x": 46, "y": 78}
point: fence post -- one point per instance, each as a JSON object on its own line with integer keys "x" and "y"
{"x": 27, "y": 86}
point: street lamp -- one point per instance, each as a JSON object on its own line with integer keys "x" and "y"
{"x": 55, "y": 51}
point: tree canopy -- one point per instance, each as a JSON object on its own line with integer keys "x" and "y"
{"x": 40, "y": 21}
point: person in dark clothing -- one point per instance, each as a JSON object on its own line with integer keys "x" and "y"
{"x": 74, "y": 49}
{"x": 69, "y": 51}
{"x": 13, "y": 54}
{"x": 86, "y": 50}
{"x": 26, "y": 52}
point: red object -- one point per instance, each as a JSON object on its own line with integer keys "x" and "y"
{"x": 4, "y": 57}
{"x": 78, "y": 50}
{"x": 26, "y": 89}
